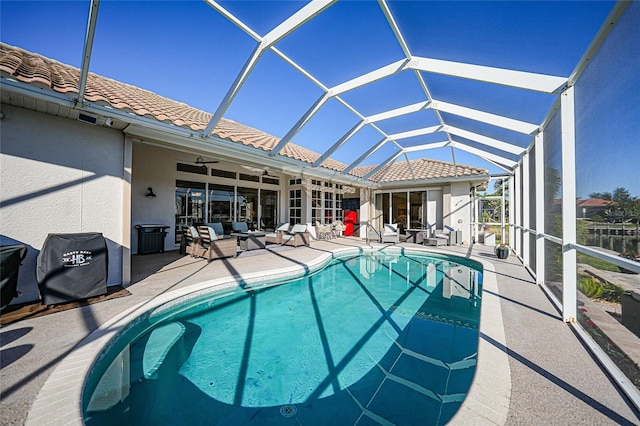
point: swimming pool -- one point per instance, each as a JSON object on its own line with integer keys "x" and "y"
{"x": 375, "y": 338}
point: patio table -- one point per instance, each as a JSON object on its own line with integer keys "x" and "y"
{"x": 250, "y": 240}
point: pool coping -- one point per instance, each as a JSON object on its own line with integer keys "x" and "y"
{"x": 60, "y": 398}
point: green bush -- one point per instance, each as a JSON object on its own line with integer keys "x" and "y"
{"x": 612, "y": 293}
{"x": 590, "y": 287}
{"x": 595, "y": 289}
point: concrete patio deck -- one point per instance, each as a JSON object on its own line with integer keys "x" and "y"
{"x": 553, "y": 378}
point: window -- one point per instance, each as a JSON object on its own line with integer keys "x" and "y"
{"x": 328, "y": 207}
{"x": 316, "y": 206}
{"x": 250, "y": 178}
{"x": 223, "y": 173}
{"x": 189, "y": 210}
{"x": 191, "y": 168}
{"x": 269, "y": 205}
{"x": 297, "y": 181}
{"x": 339, "y": 215}
{"x": 270, "y": 181}
{"x": 221, "y": 206}
{"x": 295, "y": 206}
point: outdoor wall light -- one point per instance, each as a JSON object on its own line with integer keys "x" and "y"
{"x": 150, "y": 193}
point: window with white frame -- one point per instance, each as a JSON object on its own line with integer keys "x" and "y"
{"x": 295, "y": 206}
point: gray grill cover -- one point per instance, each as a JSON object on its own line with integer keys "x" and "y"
{"x": 11, "y": 257}
{"x": 71, "y": 267}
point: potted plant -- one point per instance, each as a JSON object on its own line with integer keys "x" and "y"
{"x": 502, "y": 251}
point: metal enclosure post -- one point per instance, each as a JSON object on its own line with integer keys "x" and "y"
{"x": 512, "y": 199}
{"x": 539, "y": 219}
{"x": 517, "y": 209}
{"x": 569, "y": 297}
{"x": 502, "y": 214}
{"x": 525, "y": 209}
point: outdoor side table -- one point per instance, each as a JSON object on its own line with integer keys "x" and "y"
{"x": 417, "y": 236}
{"x": 250, "y": 240}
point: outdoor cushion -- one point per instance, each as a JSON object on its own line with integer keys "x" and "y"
{"x": 217, "y": 226}
{"x": 240, "y": 227}
{"x": 298, "y": 228}
{"x": 390, "y": 228}
{"x": 284, "y": 227}
{"x": 212, "y": 234}
{"x": 194, "y": 232}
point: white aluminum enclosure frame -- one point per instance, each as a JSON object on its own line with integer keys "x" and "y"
{"x": 508, "y": 155}
{"x": 522, "y": 226}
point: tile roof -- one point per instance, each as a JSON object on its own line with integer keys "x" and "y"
{"x": 40, "y": 71}
{"x": 594, "y": 202}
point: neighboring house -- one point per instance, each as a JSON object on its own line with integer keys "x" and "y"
{"x": 587, "y": 209}
{"x": 69, "y": 167}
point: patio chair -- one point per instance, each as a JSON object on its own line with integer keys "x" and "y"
{"x": 297, "y": 236}
{"x": 338, "y": 228}
{"x": 240, "y": 227}
{"x": 210, "y": 246}
{"x": 190, "y": 237}
{"x": 444, "y": 235}
{"x": 390, "y": 233}
{"x": 312, "y": 231}
{"x": 217, "y": 227}
{"x": 323, "y": 231}
{"x": 275, "y": 237}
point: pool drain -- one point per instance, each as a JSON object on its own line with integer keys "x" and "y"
{"x": 288, "y": 410}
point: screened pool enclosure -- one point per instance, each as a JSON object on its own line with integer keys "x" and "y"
{"x": 544, "y": 95}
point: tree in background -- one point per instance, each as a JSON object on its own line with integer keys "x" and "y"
{"x": 622, "y": 207}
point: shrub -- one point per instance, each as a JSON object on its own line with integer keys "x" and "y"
{"x": 590, "y": 287}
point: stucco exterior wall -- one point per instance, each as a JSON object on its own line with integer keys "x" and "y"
{"x": 58, "y": 176}
{"x": 460, "y": 209}
{"x": 153, "y": 167}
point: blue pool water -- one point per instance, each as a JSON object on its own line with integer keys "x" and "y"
{"x": 371, "y": 339}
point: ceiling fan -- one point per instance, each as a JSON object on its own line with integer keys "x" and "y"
{"x": 264, "y": 170}
{"x": 200, "y": 160}
{"x": 265, "y": 173}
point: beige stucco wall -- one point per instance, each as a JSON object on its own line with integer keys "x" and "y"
{"x": 59, "y": 176}
{"x": 153, "y": 167}
{"x": 460, "y": 209}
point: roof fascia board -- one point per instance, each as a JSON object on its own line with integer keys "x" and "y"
{"x": 355, "y": 129}
{"x": 612, "y": 19}
{"x": 223, "y": 148}
{"x": 483, "y": 154}
{"x": 369, "y": 77}
{"x": 371, "y": 150}
{"x": 88, "y": 47}
{"x": 301, "y": 122}
{"x": 485, "y": 117}
{"x": 485, "y": 140}
{"x": 519, "y": 79}
{"x": 47, "y": 95}
{"x": 416, "y": 132}
{"x": 424, "y": 183}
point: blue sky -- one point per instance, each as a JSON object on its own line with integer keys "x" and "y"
{"x": 188, "y": 52}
